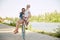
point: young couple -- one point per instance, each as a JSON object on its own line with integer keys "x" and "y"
{"x": 24, "y": 16}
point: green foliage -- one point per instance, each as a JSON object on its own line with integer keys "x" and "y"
{"x": 48, "y": 17}
{"x": 57, "y": 32}
{"x": 12, "y": 24}
{"x": 1, "y": 19}
{"x": 36, "y": 19}
{"x": 52, "y": 17}
{"x": 11, "y": 21}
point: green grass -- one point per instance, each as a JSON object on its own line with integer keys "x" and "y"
{"x": 47, "y": 33}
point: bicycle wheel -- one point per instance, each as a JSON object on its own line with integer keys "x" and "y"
{"x": 23, "y": 31}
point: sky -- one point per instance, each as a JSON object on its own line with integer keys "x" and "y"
{"x": 12, "y": 8}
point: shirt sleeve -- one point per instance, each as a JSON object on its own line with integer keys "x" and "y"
{"x": 20, "y": 14}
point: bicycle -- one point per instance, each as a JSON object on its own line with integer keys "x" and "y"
{"x": 23, "y": 28}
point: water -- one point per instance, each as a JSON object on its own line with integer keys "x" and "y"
{"x": 49, "y": 27}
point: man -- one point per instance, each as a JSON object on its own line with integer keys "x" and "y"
{"x": 27, "y": 15}
{"x": 24, "y": 16}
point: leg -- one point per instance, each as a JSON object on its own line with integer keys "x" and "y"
{"x": 26, "y": 22}
{"x": 17, "y": 26}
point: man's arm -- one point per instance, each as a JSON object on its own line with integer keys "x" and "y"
{"x": 29, "y": 14}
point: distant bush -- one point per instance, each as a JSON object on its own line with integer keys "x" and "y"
{"x": 52, "y": 17}
{"x": 36, "y": 19}
{"x": 1, "y": 19}
{"x": 48, "y": 17}
{"x": 10, "y": 21}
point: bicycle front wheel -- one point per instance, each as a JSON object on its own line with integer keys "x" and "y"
{"x": 23, "y": 31}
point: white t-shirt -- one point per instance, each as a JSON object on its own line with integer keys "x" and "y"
{"x": 26, "y": 13}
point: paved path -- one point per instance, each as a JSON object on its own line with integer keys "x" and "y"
{"x": 6, "y": 33}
